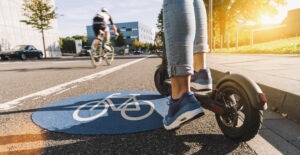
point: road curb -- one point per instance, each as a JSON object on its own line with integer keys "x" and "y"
{"x": 286, "y": 103}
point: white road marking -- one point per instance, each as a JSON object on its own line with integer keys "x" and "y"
{"x": 63, "y": 91}
{"x": 61, "y": 87}
{"x": 73, "y": 61}
{"x": 262, "y": 146}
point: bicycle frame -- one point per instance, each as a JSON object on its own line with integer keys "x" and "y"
{"x": 123, "y": 108}
{"x": 119, "y": 108}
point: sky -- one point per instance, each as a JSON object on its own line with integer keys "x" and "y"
{"x": 75, "y": 15}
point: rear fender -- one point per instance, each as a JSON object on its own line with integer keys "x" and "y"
{"x": 255, "y": 94}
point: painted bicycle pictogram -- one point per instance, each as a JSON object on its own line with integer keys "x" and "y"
{"x": 130, "y": 105}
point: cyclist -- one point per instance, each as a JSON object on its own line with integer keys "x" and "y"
{"x": 100, "y": 22}
{"x": 186, "y": 47}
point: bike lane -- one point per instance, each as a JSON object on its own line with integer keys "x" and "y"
{"x": 20, "y": 135}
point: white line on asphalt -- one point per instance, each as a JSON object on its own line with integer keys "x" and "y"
{"x": 36, "y": 98}
{"x": 63, "y": 91}
{"x": 73, "y": 61}
{"x": 14, "y": 103}
{"x": 262, "y": 146}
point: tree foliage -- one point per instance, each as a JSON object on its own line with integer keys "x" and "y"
{"x": 67, "y": 44}
{"x": 39, "y": 14}
{"x": 160, "y": 23}
{"x": 136, "y": 43}
{"x": 159, "y": 38}
{"x": 120, "y": 41}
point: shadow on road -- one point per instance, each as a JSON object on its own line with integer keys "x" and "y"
{"x": 153, "y": 142}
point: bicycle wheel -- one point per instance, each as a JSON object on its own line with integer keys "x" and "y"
{"x": 109, "y": 54}
{"x": 90, "y": 117}
{"x": 134, "y": 113}
{"x": 96, "y": 53}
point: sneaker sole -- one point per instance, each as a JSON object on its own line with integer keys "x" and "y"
{"x": 198, "y": 86}
{"x": 184, "y": 118}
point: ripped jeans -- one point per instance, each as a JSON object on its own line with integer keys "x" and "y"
{"x": 185, "y": 28}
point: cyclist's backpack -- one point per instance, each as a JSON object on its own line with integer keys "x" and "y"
{"x": 99, "y": 21}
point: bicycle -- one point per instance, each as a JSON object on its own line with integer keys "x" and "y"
{"x": 123, "y": 108}
{"x": 100, "y": 51}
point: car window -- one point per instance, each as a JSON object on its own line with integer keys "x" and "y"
{"x": 28, "y": 48}
{"x": 19, "y": 47}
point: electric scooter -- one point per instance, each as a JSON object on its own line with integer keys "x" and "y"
{"x": 237, "y": 101}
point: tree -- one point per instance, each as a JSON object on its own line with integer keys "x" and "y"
{"x": 67, "y": 44}
{"x": 160, "y": 38}
{"x": 82, "y": 38}
{"x": 230, "y": 13}
{"x": 160, "y": 21}
{"x": 136, "y": 43}
{"x": 39, "y": 14}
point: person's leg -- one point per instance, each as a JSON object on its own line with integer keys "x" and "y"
{"x": 180, "y": 85}
{"x": 199, "y": 61}
{"x": 202, "y": 76}
{"x": 96, "y": 29}
{"x": 179, "y": 37}
{"x": 107, "y": 35}
{"x": 201, "y": 36}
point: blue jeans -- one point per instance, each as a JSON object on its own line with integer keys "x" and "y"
{"x": 185, "y": 28}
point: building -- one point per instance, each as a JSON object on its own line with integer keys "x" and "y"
{"x": 131, "y": 31}
{"x": 13, "y": 32}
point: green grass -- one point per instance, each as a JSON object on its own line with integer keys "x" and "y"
{"x": 283, "y": 46}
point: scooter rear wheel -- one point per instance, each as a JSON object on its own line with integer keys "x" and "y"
{"x": 241, "y": 121}
{"x": 160, "y": 76}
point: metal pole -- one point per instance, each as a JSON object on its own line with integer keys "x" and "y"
{"x": 210, "y": 10}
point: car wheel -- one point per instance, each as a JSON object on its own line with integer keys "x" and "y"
{"x": 23, "y": 57}
{"x": 39, "y": 56}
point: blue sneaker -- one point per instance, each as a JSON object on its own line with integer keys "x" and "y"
{"x": 202, "y": 80}
{"x": 182, "y": 110}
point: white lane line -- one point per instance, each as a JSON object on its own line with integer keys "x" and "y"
{"x": 60, "y": 62}
{"x": 63, "y": 91}
{"x": 14, "y": 103}
{"x": 36, "y": 98}
{"x": 262, "y": 146}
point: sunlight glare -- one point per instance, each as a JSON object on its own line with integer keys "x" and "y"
{"x": 276, "y": 19}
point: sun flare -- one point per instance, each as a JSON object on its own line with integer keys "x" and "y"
{"x": 276, "y": 19}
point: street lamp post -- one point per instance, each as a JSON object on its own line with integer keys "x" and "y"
{"x": 210, "y": 15}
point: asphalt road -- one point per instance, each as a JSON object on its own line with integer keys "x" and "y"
{"x": 19, "y": 135}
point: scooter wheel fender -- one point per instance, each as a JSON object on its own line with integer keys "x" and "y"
{"x": 250, "y": 86}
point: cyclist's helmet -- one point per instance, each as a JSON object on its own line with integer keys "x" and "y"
{"x": 104, "y": 10}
